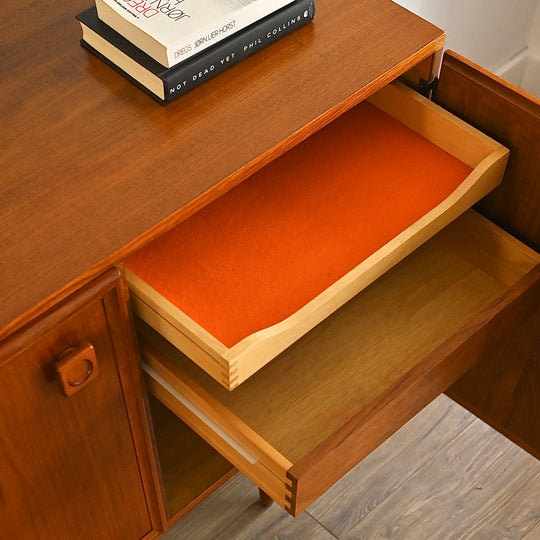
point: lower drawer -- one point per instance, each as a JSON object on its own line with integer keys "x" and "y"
{"x": 304, "y": 420}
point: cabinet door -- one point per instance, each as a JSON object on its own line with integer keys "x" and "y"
{"x": 503, "y": 388}
{"x": 511, "y": 117}
{"x": 68, "y": 463}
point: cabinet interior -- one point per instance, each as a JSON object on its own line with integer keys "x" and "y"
{"x": 190, "y": 467}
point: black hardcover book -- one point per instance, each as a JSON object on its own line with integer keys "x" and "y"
{"x": 166, "y": 84}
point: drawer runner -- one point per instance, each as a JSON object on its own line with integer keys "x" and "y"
{"x": 199, "y": 414}
{"x": 262, "y": 464}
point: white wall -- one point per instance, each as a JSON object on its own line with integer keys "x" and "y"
{"x": 534, "y": 36}
{"x": 489, "y": 32}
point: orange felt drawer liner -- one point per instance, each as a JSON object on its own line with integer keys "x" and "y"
{"x": 259, "y": 253}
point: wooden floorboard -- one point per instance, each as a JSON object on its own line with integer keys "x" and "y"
{"x": 533, "y": 534}
{"x": 477, "y": 500}
{"x": 234, "y": 512}
{"x": 371, "y": 482}
{"x": 444, "y": 475}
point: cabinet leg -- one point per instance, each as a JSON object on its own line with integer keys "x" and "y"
{"x": 264, "y": 498}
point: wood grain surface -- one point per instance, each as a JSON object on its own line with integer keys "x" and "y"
{"x": 66, "y": 473}
{"x": 504, "y": 388}
{"x": 512, "y": 117}
{"x": 92, "y": 167}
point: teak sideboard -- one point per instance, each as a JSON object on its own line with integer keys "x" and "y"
{"x": 93, "y": 170}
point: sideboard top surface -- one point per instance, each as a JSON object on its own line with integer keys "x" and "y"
{"x": 92, "y": 167}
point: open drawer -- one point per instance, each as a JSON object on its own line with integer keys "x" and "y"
{"x": 306, "y": 418}
{"x": 237, "y": 283}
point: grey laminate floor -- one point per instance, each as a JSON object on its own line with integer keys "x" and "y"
{"x": 445, "y": 475}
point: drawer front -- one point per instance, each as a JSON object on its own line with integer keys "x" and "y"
{"x": 308, "y": 417}
{"x": 69, "y": 464}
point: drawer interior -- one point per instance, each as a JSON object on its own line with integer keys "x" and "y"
{"x": 238, "y": 282}
{"x": 318, "y": 408}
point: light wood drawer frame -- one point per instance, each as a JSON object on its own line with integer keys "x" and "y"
{"x": 232, "y": 366}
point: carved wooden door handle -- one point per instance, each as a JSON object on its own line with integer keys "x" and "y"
{"x": 76, "y": 367}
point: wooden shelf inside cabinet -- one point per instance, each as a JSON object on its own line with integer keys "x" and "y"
{"x": 236, "y": 284}
{"x": 305, "y": 419}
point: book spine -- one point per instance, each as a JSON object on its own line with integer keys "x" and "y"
{"x": 222, "y": 29}
{"x": 187, "y": 76}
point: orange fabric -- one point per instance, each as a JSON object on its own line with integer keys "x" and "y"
{"x": 259, "y": 253}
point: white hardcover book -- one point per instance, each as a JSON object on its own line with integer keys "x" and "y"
{"x": 170, "y": 31}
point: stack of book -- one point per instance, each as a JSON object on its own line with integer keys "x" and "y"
{"x": 168, "y": 47}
